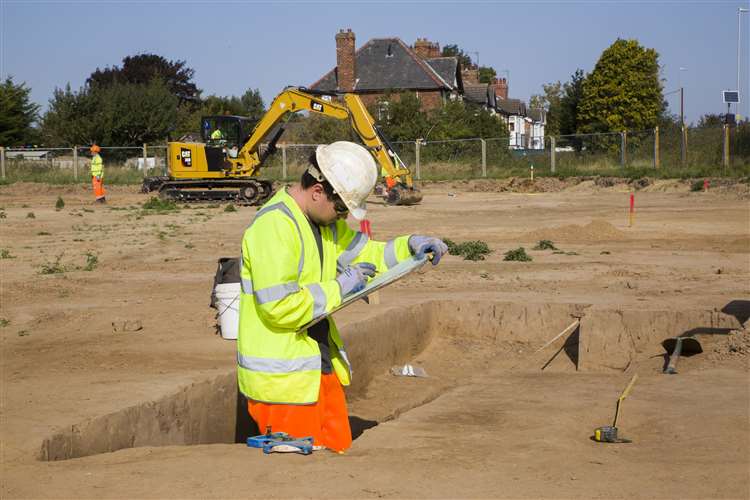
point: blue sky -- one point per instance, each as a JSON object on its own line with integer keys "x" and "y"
{"x": 238, "y": 45}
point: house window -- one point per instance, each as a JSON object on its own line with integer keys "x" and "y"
{"x": 512, "y": 126}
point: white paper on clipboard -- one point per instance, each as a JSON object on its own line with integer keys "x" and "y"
{"x": 379, "y": 281}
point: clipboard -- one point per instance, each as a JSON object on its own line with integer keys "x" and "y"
{"x": 385, "y": 278}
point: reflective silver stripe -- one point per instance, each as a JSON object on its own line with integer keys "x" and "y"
{"x": 276, "y": 292}
{"x": 342, "y": 352}
{"x": 355, "y": 247}
{"x": 319, "y": 299}
{"x": 247, "y": 285}
{"x": 390, "y": 254}
{"x": 271, "y": 365}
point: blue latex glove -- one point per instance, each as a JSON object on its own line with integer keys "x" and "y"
{"x": 354, "y": 278}
{"x": 421, "y": 245}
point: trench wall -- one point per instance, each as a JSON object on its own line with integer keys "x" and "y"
{"x": 207, "y": 412}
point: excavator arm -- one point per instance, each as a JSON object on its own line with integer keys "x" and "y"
{"x": 250, "y": 158}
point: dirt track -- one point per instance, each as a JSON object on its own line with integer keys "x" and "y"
{"x": 491, "y": 423}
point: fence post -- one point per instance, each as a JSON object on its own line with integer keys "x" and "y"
{"x": 416, "y": 159}
{"x": 75, "y": 162}
{"x": 683, "y": 145}
{"x": 283, "y": 162}
{"x": 145, "y": 160}
{"x": 2, "y": 162}
{"x": 484, "y": 157}
{"x": 552, "y": 154}
{"x": 656, "y": 147}
{"x": 623, "y": 148}
{"x": 725, "y": 158}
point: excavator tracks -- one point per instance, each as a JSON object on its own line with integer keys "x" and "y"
{"x": 239, "y": 191}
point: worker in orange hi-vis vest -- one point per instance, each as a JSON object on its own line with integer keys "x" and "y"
{"x": 97, "y": 174}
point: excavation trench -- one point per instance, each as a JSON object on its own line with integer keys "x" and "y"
{"x": 457, "y": 343}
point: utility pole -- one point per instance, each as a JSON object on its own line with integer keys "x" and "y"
{"x": 740, "y": 10}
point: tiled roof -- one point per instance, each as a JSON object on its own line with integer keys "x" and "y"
{"x": 388, "y": 63}
{"x": 511, "y": 107}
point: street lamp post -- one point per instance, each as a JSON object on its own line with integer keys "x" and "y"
{"x": 740, "y": 10}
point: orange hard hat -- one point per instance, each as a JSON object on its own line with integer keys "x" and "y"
{"x": 95, "y": 149}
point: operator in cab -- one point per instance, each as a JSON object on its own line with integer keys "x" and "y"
{"x": 300, "y": 259}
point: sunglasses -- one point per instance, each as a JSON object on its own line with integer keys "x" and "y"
{"x": 339, "y": 206}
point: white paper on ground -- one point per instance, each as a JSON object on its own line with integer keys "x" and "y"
{"x": 379, "y": 281}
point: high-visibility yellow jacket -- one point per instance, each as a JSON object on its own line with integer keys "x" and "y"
{"x": 97, "y": 166}
{"x": 284, "y": 287}
{"x": 216, "y": 135}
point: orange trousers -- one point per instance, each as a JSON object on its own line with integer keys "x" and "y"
{"x": 98, "y": 185}
{"x": 327, "y": 420}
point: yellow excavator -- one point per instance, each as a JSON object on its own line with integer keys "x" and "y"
{"x": 227, "y": 164}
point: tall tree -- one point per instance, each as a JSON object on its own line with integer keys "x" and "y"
{"x": 143, "y": 68}
{"x": 453, "y": 50}
{"x": 17, "y": 113}
{"x": 550, "y": 102}
{"x": 487, "y": 74}
{"x": 623, "y": 92}
{"x": 569, "y": 103}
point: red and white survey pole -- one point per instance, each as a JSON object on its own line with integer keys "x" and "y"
{"x": 631, "y": 214}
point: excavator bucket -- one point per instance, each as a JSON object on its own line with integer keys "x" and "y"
{"x": 401, "y": 194}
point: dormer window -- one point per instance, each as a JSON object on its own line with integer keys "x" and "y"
{"x": 389, "y": 53}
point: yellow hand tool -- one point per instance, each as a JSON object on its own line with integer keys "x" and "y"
{"x": 608, "y": 433}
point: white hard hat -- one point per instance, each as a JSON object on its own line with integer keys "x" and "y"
{"x": 351, "y": 171}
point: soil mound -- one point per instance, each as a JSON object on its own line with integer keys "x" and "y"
{"x": 735, "y": 345}
{"x": 596, "y": 230}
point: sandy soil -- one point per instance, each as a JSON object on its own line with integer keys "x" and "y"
{"x": 494, "y": 425}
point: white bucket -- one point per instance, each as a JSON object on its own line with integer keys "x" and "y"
{"x": 228, "y": 302}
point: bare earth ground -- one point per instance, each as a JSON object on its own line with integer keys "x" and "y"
{"x": 499, "y": 428}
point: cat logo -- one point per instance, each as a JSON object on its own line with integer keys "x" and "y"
{"x": 316, "y": 106}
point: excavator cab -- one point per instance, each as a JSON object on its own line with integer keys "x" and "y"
{"x": 224, "y": 135}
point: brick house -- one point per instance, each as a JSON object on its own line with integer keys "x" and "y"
{"x": 384, "y": 65}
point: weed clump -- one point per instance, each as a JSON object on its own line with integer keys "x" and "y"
{"x": 53, "y": 267}
{"x": 92, "y": 260}
{"x": 470, "y": 250}
{"x": 30, "y": 215}
{"x": 230, "y": 208}
{"x": 5, "y": 254}
{"x": 697, "y": 185}
{"x": 59, "y": 204}
{"x": 545, "y": 245}
{"x": 519, "y": 254}
{"x": 159, "y": 205}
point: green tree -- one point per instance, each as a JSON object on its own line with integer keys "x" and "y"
{"x": 406, "y": 121}
{"x": 142, "y": 68}
{"x": 487, "y": 74}
{"x": 623, "y": 92}
{"x": 250, "y": 104}
{"x": 710, "y": 121}
{"x": 17, "y": 113}
{"x": 453, "y": 50}
{"x": 550, "y": 102}
{"x": 121, "y": 114}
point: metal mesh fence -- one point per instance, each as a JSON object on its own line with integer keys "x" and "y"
{"x": 671, "y": 151}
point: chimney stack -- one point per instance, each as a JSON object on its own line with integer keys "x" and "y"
{"x": 435, "y": 49}
{"x": 470, "y": 75}
{"x": 501, "y": 87}
{"x": 345, "y": 61}
{"x": 422, "y": 47}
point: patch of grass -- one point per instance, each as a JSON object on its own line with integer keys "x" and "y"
{"x": 5, "y": 254}
{"x": 53, "y": 267}
{"x": 60, "y": 203}
{"x": 3, "y": 215}
{"x": 159, "y": 205}
{"x": 189, "y": 246}
{"x": 4, "y": 322}
{"x": 43, "y": 233}
{"x": 519, "y": 255}
{"x": 92, "y": 260}
{"x": 23, "y": 333}
{"x": 470, "y": 250}
{"x": 545, "y": 245}
{"x": 230, "y": 208}
{"x": 696, "y": 185}
{"x": 30, "y": 215}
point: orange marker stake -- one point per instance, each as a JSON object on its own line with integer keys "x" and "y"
{"x": 632, "y": 210}
{"x": 705, "y": 185}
